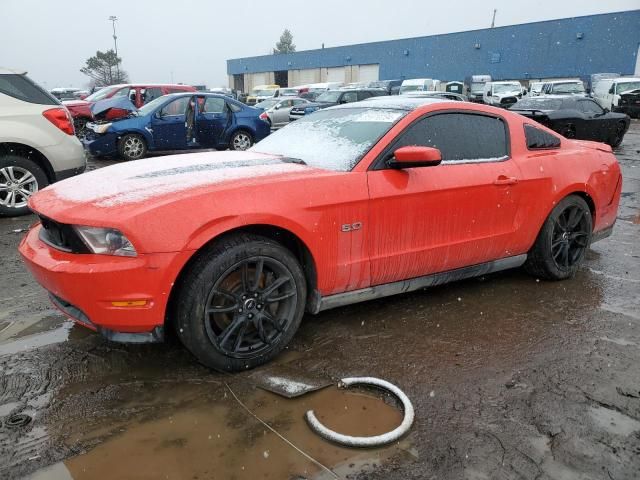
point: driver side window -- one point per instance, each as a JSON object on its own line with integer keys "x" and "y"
{"x": 350, "y": 97}
{"x": 460, "y": 137}
{"x": 590, "y": 107}
{"x": 176, "y": 107}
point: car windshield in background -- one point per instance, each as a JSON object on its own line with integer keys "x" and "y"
{"x": 100, "y": 94}
{"x": 328, "y": 97}
{"x": 538, "y": 104}
{"x": 333, "y": 139}
{"x": 264, "y": 93}
{"x": 265, "y": 104}
{"x": 151, "y": 106}
{"x": 573, "y": 87}
{"x": 410, "y": 88}
{"x": 627, "y": 87}
{"x": 506, "y": 88}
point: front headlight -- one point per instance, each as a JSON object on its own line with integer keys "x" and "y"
{"x": 100, "y": 127}
{"x": 106, "y": 241}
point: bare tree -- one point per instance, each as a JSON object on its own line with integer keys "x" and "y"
{"x": 103, "y": 69}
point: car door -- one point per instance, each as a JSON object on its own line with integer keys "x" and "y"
{"x": 211, "y": 120}
{"x": 459, "y": 213}
{"x": 596, "y": 126}
{"x": 168, "y": 125}
{"x": 280, "y": 112}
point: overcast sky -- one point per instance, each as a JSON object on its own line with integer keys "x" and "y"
{"x": 190, "y": 40}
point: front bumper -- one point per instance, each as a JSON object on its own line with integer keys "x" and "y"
{"x": 633, "y": 110}
{"x": 85, "y": 287}
{"x": 101, "y": 145}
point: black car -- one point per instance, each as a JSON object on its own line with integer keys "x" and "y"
{"x": 392, "y": 87}
{"x": 629, "y": 103}
{"x": 575, "y": 117}
{"x": 331, "y": 98}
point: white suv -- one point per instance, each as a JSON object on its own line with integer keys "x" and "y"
{"x": 38, "y": 145}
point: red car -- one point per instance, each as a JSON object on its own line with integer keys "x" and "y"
{"x": 138, "y": 93}
{"x": 348, "y": 204}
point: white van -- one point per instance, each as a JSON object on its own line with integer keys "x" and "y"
{"x": 502, "y": 94}
{"x": 419, "y": 85}
{"x": 607, "y": 92}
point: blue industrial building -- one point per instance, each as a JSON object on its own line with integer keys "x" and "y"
{"x": 570, "y": 47}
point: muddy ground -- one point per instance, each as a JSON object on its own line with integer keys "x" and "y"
{"x": 511, "y": 378}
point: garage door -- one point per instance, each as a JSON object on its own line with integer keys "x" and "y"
{"x": 335, "y": 74}
{"x": 259, "y": 79}
{"x": 308, "y": 76}
{"x": 369, "y": 73}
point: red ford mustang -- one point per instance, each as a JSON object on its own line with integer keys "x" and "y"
{"x": 349, "y": 204}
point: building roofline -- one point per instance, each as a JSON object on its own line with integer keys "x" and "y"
{"x": 434, "y": 35}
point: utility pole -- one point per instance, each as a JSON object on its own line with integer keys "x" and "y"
{"x": 493, "y": 21}
{"x": 113, "y": 19}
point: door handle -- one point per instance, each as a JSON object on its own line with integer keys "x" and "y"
{"x": 503, "y": 180}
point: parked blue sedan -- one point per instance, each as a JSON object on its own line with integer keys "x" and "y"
{"x": 180, "y": 121}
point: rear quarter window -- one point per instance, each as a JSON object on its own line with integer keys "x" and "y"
{"x": 22, "y": 88}
{"x": 539, "y": 139}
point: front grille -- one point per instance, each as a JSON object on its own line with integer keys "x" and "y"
{"x": 508, "y": 101}
{"x": 61, "y": 236}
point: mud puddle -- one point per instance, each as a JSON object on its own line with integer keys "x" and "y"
{"x": 214, "y": 437}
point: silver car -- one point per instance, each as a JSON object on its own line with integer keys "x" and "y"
{"x": 276, "y": 110}
{"x": 38, "y": 145}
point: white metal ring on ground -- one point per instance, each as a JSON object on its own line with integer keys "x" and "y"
{"x": 376, "y": 440}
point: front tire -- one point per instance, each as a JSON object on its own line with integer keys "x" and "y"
{"x": 19, "y": 179}
{"x": 563, "y": 241}
{"x": 240, "y": 303}
{"x": 132, "y": 147}
{"x": 617, "y": 136}
{"x": 241, "y": 140}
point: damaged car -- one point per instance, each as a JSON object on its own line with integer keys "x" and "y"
{"x": 352, "y": 203}
{"x": 180, "y": 121}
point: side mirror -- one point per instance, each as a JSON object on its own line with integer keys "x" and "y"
{"x": 611, "y": 90}
{"x": 414, "y": 156}
{"x": 277, "y": 107}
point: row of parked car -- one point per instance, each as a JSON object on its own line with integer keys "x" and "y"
{"x": 39, "y": 145}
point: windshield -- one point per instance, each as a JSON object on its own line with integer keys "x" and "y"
{"x": 151, "y": 106}
{"x": 477, "y": 87}
{"x": 411, "y": 88}
{"x": 333, "y": 139}
{"x": 266, "y": 104}
{"x": 573, "y": 87}
{"x": 329, "y": 97}
{"x": 627, "y": 86}
{"x": 538, "y": 103}
{"x": 263, "y": 93}
{"x": 288, "y": 91}
{"x": 100, "y": 94}
{"x": 506, "y": 88}
{"x": 536, "y": 87}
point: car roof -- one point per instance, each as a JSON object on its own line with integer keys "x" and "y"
{"x": 396, "y": 102}
{"x": 199, "y": 94}
{"x": 10, "y": 71}
{"x": 143, "y": 84}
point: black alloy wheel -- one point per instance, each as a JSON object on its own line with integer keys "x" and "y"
{"x": 240, "y": 302}
{"x": 563, "y": 240}
{"x": 250, "y": 306}
{"x": 570, "y": 238}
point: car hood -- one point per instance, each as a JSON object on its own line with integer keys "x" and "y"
{"x": 116, "y": 192}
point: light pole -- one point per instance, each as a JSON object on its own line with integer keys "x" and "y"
{"x": 113, "y": 19}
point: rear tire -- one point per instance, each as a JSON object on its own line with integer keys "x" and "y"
{"x": 240, "y": 303}
{"x": 19, "y": 179}
{"x": 132, "y": 147}
{"x": 562, "y": 242}
{"x": 241, "y": 141}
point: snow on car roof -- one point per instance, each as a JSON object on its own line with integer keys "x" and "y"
{"x": 395, "y": 101}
